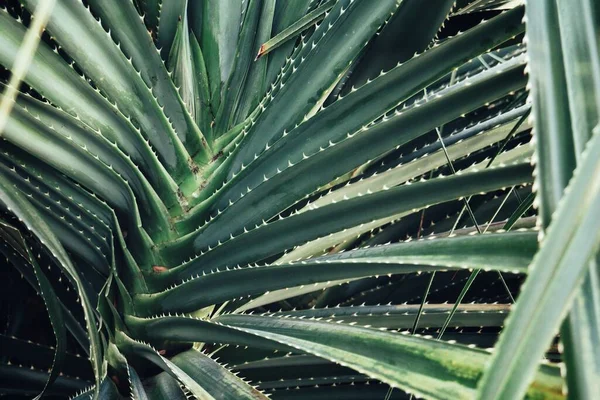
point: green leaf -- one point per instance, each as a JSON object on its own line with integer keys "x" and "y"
{"x": 293, "y": 30}
{"x": 554, "y": 145}
{"x": 556, "y": 274}
{"x": 75, "y": 204}
{"x": 563, "y": 125}
{"x": 150, "y": 10}
{"x": 136, "y": 387}
{"x": 107, "y": 391}
{"x": 385, "y": 51}
{"x": 580, "y": 335}
{"x": 246, "y": 84}
{"x": 255, "y": 84}
{"x": 306, "y": 165}
{"x": 424, "y": 367}
{"x": 164, "y": 387}
{"x": 403, "y": 316}
{"x": 474, "y": 6}
{"x": 86, "y": 41}
{"x": 458, "y": 145}
{"x": 316, "y": 382}
{"x": 94, "y": 214}
{"x": 196, "y": 371}
{"x": 290, "y": 184}
{"x": 183, "y": 66}
{"x": 219, "y": 382}
{"x": 424, "y": 255}
{"x": 581, "y": 331}
{"x": 579, "y": 44}
{"x": 75, "y": 161}
{"x": 128, "y": 29}
{"x": 370, "y": 390}
{"x": 23, "y": 59}
{"x": 53, "y": 307}
{"x": 66, "y": 226}
{"x": 518, "y": 213}
{"x": 188, "y": 329}
{"x": 56, "y": 320}
{"x": 314, "y": 72}
{"x": 29, "y": 382}
{"x": 372, "y": 100}
{"x": 355, "y": 111}
{"x": 282, "y": 294}
{"x": 286, "y": 13}
{"x": 31, "y": 353}
{"x": 76, "y": 97}
{"x": 305, "y": 361}
{"x": 293, "y": 183}
{"x": 201, "y": 76}
{"x": 221, "y": 22}
{"x": 61, "y": 127}
{"x": 170, "y": 12}
{"x": 18, "y": 205}
{"x": 133, "y": 349}
{"x": 19, "y": 261}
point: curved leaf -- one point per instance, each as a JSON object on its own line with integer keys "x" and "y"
{"x": 425, "y": 367}
{"x": 502, "y": 252}
{"x": 188, "y": 329}
{"x": 48, "y": 71}
{"x": 17, "y": 204}
{"x": 127, "y": 28}
{"x": 556, "y": 273}
{"x": 294, "y": 29}
{"x": 219, "y": 382}
{"x": 86, "y": 41}
{"x": 316, "y": 69}
{"x": 299, "y": 228}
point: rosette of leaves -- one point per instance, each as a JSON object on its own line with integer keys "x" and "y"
{"x": 299, "y": 199}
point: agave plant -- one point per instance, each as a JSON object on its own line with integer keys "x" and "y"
{"x": 238, "y": 199}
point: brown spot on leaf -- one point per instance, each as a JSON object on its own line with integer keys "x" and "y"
{"x": 261, "y": 51}
{"x": 216, "y": 156}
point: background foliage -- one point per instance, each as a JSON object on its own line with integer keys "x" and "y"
{"x": 299, "y": 199}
